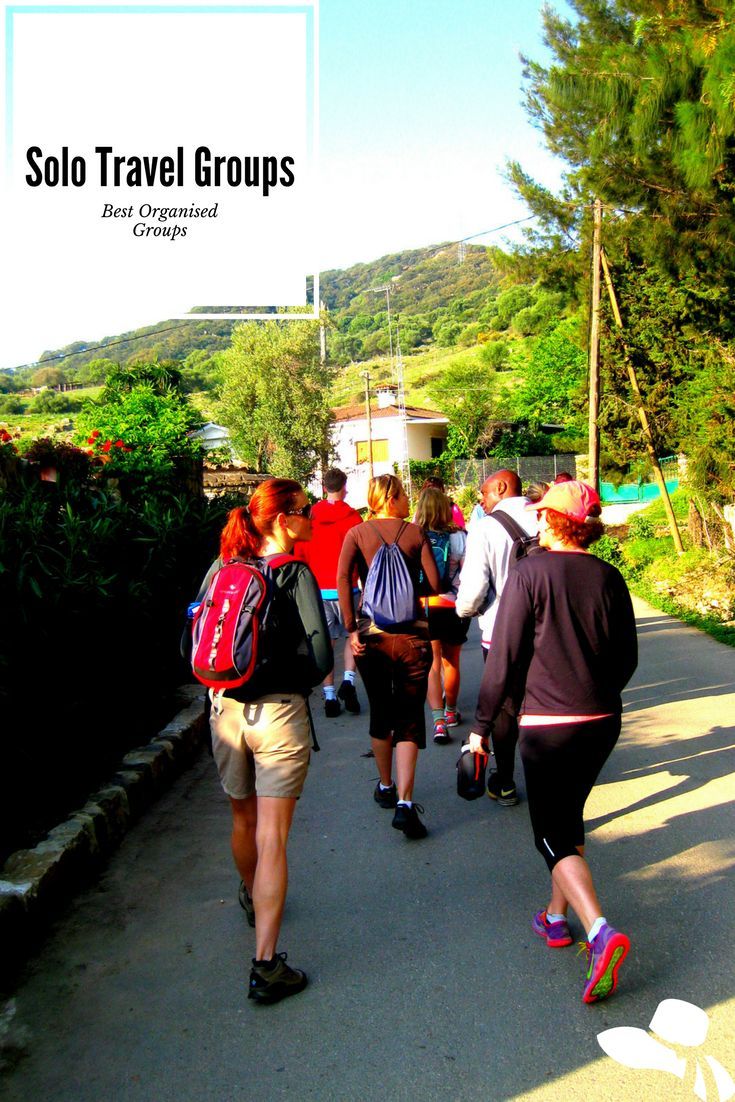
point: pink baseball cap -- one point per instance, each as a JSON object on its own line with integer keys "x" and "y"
{"x": 573, "y": 499}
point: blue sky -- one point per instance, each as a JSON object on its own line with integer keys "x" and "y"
{"x": 421, "y": 104}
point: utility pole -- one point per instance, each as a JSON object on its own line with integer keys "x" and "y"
{"x": 322, "y": 335}
{"x": 405, "y": 464}
{"x": 642, "y": 415}
{"x": 366, "y": 376}
{"x": 594, "y": 352}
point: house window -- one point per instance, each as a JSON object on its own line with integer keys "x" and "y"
{"x": 438, "y": 444}
{"x": 380, "y": 451}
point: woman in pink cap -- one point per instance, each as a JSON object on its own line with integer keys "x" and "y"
{"x": 564, "y": 647}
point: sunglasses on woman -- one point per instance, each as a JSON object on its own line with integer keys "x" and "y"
{"x": 305, "y": 511}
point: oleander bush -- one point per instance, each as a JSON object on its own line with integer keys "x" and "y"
{"x": 93, "y": 592}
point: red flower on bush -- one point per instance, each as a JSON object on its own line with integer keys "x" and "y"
{"x": 106, "y": 446}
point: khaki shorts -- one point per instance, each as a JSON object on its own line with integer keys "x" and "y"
{"x": 262, "y": 747}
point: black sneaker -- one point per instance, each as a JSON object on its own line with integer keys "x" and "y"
{"x": 385, "y": 797}
{"x": 348, "y": 694}
{"x": 268, "y": 985}
{"x": 506, "y": 797}
{"x": 407, "y": 820}
{"x": 331, "y": 707}
{"x": 246, "y": 902}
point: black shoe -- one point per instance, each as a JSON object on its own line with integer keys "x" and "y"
{"x": 385, "y": 797}
{"x": 348, "y": 694}
{"x": 331, "y": 707}
{"x": 407, "y": 820}
{"x": 506, "y": 797}
{"x": 246, "y": 902}
{"x": 268, "y": 985}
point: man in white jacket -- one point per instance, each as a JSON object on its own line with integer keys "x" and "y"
{"x": 485, "y": 569}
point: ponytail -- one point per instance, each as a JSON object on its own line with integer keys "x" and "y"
{"x": 248, "y": 525}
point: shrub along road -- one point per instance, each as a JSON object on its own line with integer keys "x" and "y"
{"x": 426, "y": 979}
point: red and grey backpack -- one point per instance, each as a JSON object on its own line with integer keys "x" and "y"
{"x": 231, "y": 626}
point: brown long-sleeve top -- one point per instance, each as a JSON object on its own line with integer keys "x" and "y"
{"x": 359, "y": 549}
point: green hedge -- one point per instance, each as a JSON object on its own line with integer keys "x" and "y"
{"x": 93, "y": 593}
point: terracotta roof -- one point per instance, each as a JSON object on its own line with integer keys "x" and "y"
{"x": 357, "y": 413}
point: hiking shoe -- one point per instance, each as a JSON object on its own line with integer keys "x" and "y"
{"x": 556, "y": 933}
{"x": 268, "y": 985}
{"x": 331, "y": 707}
{"x": 506, "y": 797}
{"x": 385, "y": 797}
{"x": 348, "y": 695}
{"x": 604, "y": 956}
{"x": 407, "y": 820}
{"x": 441, "y": 734}
{"x": 452, "y": 717}
{"x": 246, "y": 902}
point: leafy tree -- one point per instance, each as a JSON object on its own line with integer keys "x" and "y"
{"x": 705, "y": 419}
{"x": 94, "y": 372}
{"x": 468, "y": 395}
{"x": 495, "y": 354}
{"x": 552, "y": 390}
{"x": 142, "y": 434}
{"x": 49, "y": 401}
{"x": 160, "y": 378}
{"x": 48, "y": 376}
{"x": 10, "y": 403}
{"x": 274, "y": 397}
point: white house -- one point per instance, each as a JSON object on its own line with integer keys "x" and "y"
{"x": 213, "y": 436}
{"x": 424, "y": 438}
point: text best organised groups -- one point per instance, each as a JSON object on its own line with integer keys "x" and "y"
{"x": 203, "y": 169}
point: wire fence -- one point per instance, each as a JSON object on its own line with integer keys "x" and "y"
{"x": 530, "y": 468}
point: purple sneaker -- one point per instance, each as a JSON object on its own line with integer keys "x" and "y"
{"x": 556, "y": 933}
{"x": 604, "y": 956}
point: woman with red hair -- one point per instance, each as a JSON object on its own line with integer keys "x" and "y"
{"x": 261, "y": 731}
{"x": 564, "y": 648}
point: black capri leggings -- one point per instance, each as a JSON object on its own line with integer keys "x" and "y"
{"x": 561, "y": 764}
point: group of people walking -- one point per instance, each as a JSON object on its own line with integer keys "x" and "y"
{"x": 559, "y": 643}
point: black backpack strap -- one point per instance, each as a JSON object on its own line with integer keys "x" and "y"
{"x": 511, "y": 526}
{"x": 314, "y": 742}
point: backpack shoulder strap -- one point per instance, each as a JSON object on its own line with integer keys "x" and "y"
{"x": 512, "y": 527}
{"x": 401, "y": 530}
{"x": 281, "y": 559}
{"x": 375, "y": 529}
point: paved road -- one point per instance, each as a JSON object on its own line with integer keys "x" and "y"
{"x": 427, "y": 982}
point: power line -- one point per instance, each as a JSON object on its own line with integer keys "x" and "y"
{"x": 100, "y": 347}
{"x": 496, "y": 229}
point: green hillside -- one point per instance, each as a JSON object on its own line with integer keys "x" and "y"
{"x": 422, "y": 282}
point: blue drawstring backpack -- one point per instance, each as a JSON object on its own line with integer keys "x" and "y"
{"x": 389, "y": 597}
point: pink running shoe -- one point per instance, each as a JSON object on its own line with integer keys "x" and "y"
{"x": 604, "y": 956}
{"x": 556, "y": 933}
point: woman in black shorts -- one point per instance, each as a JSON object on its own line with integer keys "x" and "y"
{"x": 447, "y": 631}
{"x": 393, "y": 660}
{"x": 564, "y": 647}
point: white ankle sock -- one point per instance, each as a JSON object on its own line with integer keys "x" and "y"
{"x": 405, "y": 803}
{"x": 385, "y": 787}
{"x": 330, "y": 692}
{"x": 349, "y": 676}
{"x": 596, "y": 927}
{"x": 555, "y": 918}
